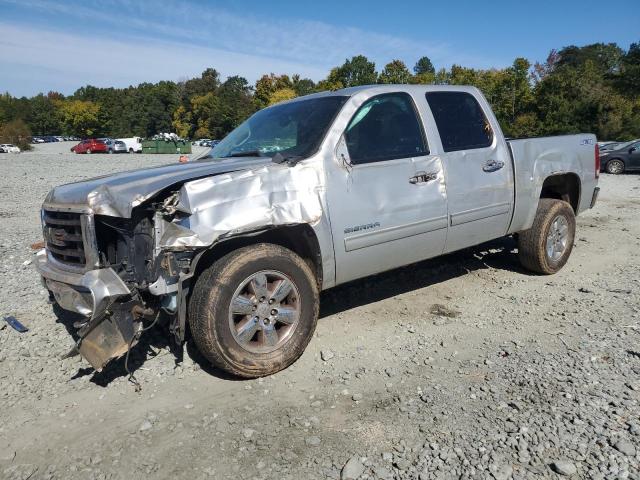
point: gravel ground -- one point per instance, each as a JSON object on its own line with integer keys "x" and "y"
{"x": 460, "y": 367}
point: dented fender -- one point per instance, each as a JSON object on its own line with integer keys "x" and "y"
{"x": 212, "y": 208}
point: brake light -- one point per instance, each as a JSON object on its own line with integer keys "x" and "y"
{"x": 597, "y": 161}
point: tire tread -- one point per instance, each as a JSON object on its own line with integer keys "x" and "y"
{"x": 217, "y": 277}
{"x": 532, "y": 242}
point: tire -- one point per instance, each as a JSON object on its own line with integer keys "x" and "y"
{"x": 110, "y": 151}
{"x": 533, "y": 251}
{"x": 131, "y": 150}
{"x": 216, "y": 329}
{"x": 88, "y": 150}
{"x": 615, "y": 166}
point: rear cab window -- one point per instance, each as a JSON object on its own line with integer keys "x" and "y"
{"x": 460, "y": 120}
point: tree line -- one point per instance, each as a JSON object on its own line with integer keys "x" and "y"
{"x": 593, "y": 88}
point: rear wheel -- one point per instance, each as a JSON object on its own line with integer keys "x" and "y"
{"x": 615, "y": 166}
{"x": 88, "y": 150}
{"x": 253, "y": 312}
{"x": 546, "y": 246}
{"x": 131, "y": 150}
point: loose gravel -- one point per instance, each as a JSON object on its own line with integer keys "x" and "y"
{"x": 460, "y": 367}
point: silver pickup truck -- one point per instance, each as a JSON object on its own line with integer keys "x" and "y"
{"x": 304, "y": 195}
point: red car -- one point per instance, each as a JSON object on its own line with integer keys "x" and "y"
{"x": 91, "y": 145}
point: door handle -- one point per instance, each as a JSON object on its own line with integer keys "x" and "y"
{"x": 422, "y": 177}
{"x": 492, "y": 166}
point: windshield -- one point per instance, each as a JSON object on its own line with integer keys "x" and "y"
{"x": 622, "y": 146}
{"x": 294, "y": 130}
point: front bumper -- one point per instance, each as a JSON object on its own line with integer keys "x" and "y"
{"x": 112, "y": 323}
{"x": 88, "y": 294}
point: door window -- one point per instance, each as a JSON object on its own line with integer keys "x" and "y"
{"x": 460, "y": 120}
{"x": 385, "y": 127}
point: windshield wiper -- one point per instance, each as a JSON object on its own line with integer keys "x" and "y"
{"x": 248, "y": 153}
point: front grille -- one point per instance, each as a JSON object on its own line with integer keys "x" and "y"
{"x": 63, "y": 237}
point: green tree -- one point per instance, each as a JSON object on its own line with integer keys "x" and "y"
{"x": 235, "y": 104}
{"x": 629, "y": 79}
{"x": 81, "y": 117}
{"x": 302, "y": 86}
{"x": 359, "y": 70}
{"x": 424, "y": 65}
{"x": 606, "y": 58}
{"x": 395, "y": 72}
{"x": 423, "y": 79}
{"x": 182, "y": 125}
{"x": 44, "y": 117}
{"x": 16, "y": 132}
{"x": 208, "y": 82}
{"x": 267, "y": 85}
{"x": 282, "y": 95}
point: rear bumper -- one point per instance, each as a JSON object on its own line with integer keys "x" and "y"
{"x": 594, "y": 198}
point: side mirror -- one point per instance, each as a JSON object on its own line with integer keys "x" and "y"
{"x": 342, "y": 153}
{"x": 633, "y": 149}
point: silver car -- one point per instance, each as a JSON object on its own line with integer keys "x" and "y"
{"x": 116, "y": 146}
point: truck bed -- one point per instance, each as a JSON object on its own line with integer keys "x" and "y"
{"x": 535, "y": 159}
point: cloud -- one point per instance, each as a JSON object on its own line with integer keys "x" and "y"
{"x": 122, "y": 42}
{"x": 68, "y": 61}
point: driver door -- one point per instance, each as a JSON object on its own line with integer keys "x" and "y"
{"x": 386, "y": 192}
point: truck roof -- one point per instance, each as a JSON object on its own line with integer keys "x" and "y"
{"x": 385, "y": 88}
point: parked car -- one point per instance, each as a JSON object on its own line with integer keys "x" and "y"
{"x": 610, "y": 146}
{"x": 237, "y": 247}
{"x": 37, "y": 140}
{"x": 9, "y": 148}
{"x": 117, "y": 146}
{"x": 134, "y": 144}
{"x": 624, "y": 158}
{"x": 91, "y": 145}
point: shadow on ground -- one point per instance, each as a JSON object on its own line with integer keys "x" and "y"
{"x": 498, "y": 254}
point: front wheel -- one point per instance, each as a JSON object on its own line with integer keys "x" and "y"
{"x": 615, "y": 166}
{"x": 546, "y": 246}
{"x": 88, "y": 150}
{"x": 253, "y": 312}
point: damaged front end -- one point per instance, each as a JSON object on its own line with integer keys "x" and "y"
{"x": 118, "y": 265}
{"x": 105, "y": 269}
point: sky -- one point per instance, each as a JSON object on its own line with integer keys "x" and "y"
{"x": 63, "y": 45}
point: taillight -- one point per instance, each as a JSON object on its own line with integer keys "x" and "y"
{"x": 597, "y": 161}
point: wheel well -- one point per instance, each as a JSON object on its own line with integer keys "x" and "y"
{"x": 565, "y": 187}
{"x": 614, "y": 158}
{"x": 301, "y": 239}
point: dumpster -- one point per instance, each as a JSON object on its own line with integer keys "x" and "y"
{"x": 166, "y": 146}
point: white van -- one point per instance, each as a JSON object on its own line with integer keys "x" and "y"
{"x": 134, "y": 144}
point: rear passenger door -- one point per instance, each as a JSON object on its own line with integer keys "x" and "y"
{"x": 386, "y": 190}
{"x": 478, "y": 168}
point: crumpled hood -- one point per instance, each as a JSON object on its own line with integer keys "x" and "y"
{"x": 117, "y": 194}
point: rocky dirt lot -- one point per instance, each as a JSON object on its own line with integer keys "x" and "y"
{"x": 460, "y": 367}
